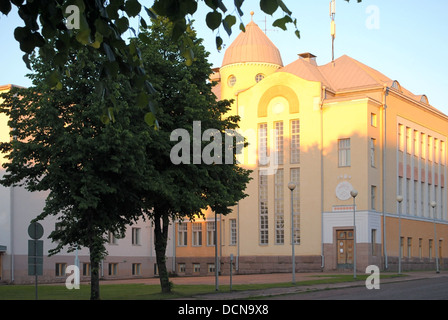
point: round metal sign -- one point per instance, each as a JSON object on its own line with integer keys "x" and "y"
{"x": 35, "y": 230}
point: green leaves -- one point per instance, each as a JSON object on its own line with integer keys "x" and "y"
{"x": 281, "y": 23}
{"x": 268, "y": 6}
{"x": 213, "y": 19}
{"x": 132, "y": 7}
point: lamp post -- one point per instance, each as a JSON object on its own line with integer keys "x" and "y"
{"x": 292, "y": 186}
{"x": 399, "y": 200}
{"x": 436, "y": 245}
{"x": 354, "y": 193}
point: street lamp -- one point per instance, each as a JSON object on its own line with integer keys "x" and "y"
{"x": 433, "y": 205}
{"x": 292, "y": 186}
{"x": 354, "y": 193}
{"x": 399, "y": 200}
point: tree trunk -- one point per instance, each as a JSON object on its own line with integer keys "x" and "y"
{"x": 161, "y": 222}
{"x": 95, "y": 259}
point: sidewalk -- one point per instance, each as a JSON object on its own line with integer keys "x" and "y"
{"x": 274, "y": 278}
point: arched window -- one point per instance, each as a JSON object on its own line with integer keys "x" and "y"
{"x": 396, "y": 85}
{"x": 424, "y": 99}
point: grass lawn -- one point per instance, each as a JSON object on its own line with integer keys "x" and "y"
{"x": 147, "y": 292}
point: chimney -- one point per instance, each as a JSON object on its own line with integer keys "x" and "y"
{"x": 308, "y": 57}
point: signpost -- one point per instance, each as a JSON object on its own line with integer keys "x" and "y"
{"x": 35, "y": 251}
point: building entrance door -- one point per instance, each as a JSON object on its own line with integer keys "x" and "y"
{"x": 344, "y": 240}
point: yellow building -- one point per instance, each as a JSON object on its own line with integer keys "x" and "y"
{"x": 330, "y": 129}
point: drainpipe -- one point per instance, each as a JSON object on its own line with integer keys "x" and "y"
{"x": 323, "y": 97}
{"x": 11, "y": 231}
{"x": 386, "y": 93}
{"x": 237, "y": 262}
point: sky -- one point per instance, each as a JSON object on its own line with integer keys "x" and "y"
{"x": 407, "y": 40}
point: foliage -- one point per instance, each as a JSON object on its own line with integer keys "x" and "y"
{"x": 93, "y": 172}
{"x": 184, "y": 95}
{"x": 102, "y": 24}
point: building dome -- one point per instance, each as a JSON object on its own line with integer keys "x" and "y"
{"x": 252, "y": 46}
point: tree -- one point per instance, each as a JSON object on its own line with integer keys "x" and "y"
{"x": 67, "y": 25}
{"x": 185, "y": 99}
{"x": 93, "y": 168}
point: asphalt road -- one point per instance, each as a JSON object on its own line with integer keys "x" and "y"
{"x": 422, "y": 289}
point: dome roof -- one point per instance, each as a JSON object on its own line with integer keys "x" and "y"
{"x": 252, "y": 46}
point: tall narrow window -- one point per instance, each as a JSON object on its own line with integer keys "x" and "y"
{"x": 295, "y": 141}
{"x": 373, "y": 152}
{"x": 136, "y": 236}
{"x": 408, "y": 196}
{"x": 263, "y": 207}
{"x": 423, "y": 146}
{"x": 430, "y": 249}
{"x": 374, "y": 248}
{"x": 182, "y": 234}
{"x": 408, "y": 140}
{"x": 344, "y": 153}
{"x": 295, "y": 177}
{"x": 373, "y": 197}
{"x": 420, "y": 248}
{"x": 211, "y": 233}
{"x": 233, "y": 232}
{"x": 263, "y": 144}
{"x": 196, "y": 234}
{"x": 278, "y": 142}
{"x": 279, "y": 208}
{"x": 400, "y": 192}
{"x": 401, "y": 137}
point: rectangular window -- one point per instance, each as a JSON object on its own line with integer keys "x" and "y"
{"x": 278, "y": 142}
{"x": 401, "y": 137}
{"x": 416, "y": 144}
{"x": 344, "y": 153}
{"x": 409, "y": 247}
{"x": 86, "y": 269}
{"x": 262, "y": 144}
{"x": 136, "y": 269}
{"x": 211, "y": 267}
{"x": 113, "y": 269}
{"x": 423, "y": 146}
{"x": 211, "y": 233}
{"x": 374, "y": 249}
{"x": 402, "y": 246}
{"x": 112, "y": 238}
{"x": 408, "y": 140}
{"x": 408, "y": 196}
{"x": 373, "y": 197}
{"x": 373, "y": 120}
{"x": 136, "y": 232}
{"x": 196, "y": 234}
{"x": 373, "y": 152}
{"x": 181, "y": 267}
{"x": 60, "y": 269}
{"x": 420, "y": 248}
{"x": 442, "y": 153}
{"x": 263, "y": 208}
{"x": 295, "y": 141}
{"x": 400, "y": 192}
{"x": 430, "y": 248}
{"x": 182, "y": 234}
{"x": 196, "y": 267}
{"x": 295, "y": 178}
{"x": 279, "y": 208}
{"x": 233, "y": 232}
